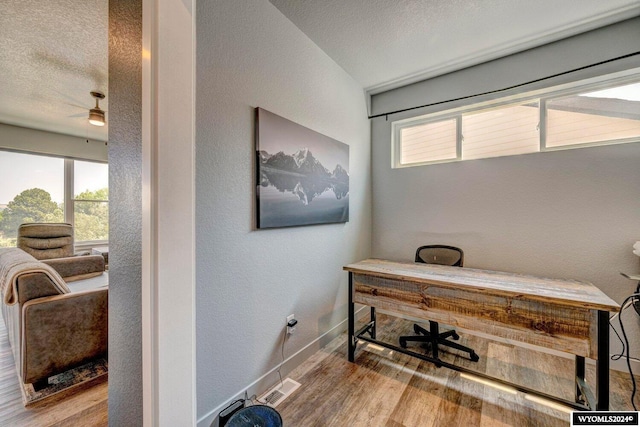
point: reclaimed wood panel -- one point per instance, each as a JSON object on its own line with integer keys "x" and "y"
{"x": 552, "y": 313}
{"x": 572, "y": 293}
{"x": 561, "y": 328}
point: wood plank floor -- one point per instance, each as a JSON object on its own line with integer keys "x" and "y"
{"x": 85, "y": 406}
{"x": 385, "y": 388}
{"x": 381, "y": 389}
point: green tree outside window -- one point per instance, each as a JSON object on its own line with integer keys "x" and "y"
{"x": 91, "y": 214}
{"x": 32, "y": 205}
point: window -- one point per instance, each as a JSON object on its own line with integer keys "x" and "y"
{"x": 441, "y": 137}
{"x": 33, "y": 190}
{"x": 582, "y": 115}
{"x": 91, "y": 201}
{"x": 606, "y": 115}
{"x": 505, "y": 131}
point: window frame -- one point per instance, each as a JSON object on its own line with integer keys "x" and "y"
{"x": 542, "y": 96}
{"x": 424, "y": 120}
{"x": 70, "y": 200}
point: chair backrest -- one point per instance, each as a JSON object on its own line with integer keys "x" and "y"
{"x": 46, "y": 240}
{"x": 440, "y": 254}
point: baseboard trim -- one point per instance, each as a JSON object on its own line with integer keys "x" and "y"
{"x": 270, "y": 378}
{"x": 621, "y": 365}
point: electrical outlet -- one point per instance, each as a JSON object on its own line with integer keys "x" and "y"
{"x": 291, "y": 324}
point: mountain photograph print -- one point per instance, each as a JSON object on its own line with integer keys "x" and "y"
{"x": 303, "y": 176}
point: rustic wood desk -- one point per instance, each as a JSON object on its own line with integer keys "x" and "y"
{"x": 565, "y": 315}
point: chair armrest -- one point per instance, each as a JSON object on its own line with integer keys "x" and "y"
{"x": 77, "y": 267}
{"x": 61, "y": 332}
{"x": 35, "y": 285}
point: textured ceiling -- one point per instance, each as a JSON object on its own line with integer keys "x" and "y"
{"x": 52, "y": 54}
{"x": 387, "y": 43}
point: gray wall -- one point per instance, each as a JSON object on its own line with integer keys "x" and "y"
{"x": 568, "y": 214}
{"x": 125, "y": 212}
{"x": 247, "y": 280}
{"x": 573, "y": 213}
{"x": 573, "y": 53}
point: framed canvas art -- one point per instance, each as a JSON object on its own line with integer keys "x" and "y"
{"x": 303, "y": 176}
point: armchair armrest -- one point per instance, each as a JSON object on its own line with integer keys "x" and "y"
{"x": 77, "y": 267}
{"x": 61, "y": 332}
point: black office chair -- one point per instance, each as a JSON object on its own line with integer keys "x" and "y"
{"x": 442, "y": 255}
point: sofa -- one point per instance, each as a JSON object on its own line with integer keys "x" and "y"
{"x": 55, "y": 312}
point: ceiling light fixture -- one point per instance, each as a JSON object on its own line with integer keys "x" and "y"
{"x": 96, "y": 115}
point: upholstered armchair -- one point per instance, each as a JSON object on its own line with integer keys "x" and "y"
{"x": 52, "y": 243}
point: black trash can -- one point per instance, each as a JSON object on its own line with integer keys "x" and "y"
{"x": 256, "y": 416}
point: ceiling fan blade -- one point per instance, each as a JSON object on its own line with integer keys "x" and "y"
{"x": 77, "y": 106}
{"x": 71, "y": 100}
{"x": 79, "y": 115}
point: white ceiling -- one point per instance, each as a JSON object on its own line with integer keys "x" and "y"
{"x": 54, "y": 52}
{"x": 388, "y": 43}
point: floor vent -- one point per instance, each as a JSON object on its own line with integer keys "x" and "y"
{"x": 280, "y": 392}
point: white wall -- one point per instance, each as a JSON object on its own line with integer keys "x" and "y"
{"x": 49, "y": 143}
{"x": 168, "y": 233}
{"x": 567, "y": 214}
{"x": 247, "y": 280}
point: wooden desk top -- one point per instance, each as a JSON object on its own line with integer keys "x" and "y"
{"x": 572, "y": 293}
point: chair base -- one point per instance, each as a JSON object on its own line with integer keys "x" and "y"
{"x": 435, "y": 338}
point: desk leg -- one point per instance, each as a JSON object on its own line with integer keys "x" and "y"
{"x": 579, "y": 376}
{"x": 602, "y": 364}
{"x": 351, "y": 308}
{"x": 372, "y": 331}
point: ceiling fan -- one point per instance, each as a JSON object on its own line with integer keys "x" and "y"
{"x": 96, "y": 114}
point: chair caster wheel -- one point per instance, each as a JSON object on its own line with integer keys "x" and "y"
{"x": 455, "y": 336}
{"x": 403, "y": 343}
{"x": 474, "y": 357}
